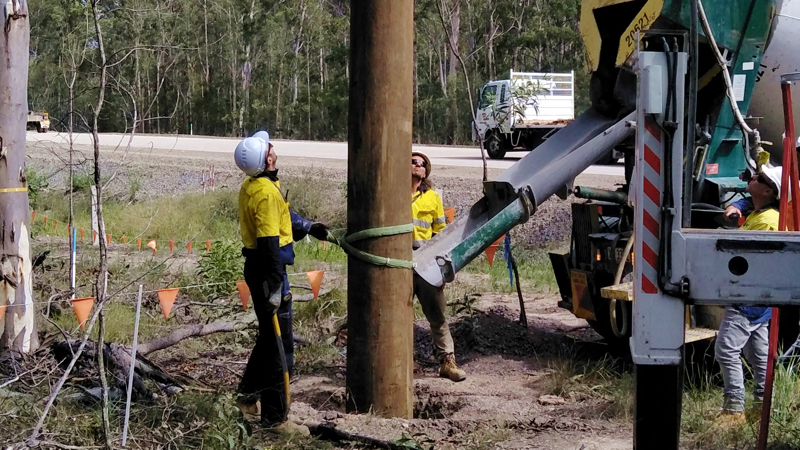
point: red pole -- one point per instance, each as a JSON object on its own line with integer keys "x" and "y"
{"x": 788, "y": 181}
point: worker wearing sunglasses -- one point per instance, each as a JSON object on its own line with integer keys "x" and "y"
{"x": 428, "y": 217}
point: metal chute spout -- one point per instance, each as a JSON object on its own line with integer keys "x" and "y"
{"x": 517, "y": 192}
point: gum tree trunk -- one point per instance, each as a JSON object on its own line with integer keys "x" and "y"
{"x": 18, "y": 324}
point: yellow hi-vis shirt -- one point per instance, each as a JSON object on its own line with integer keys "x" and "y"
{"x": 427, "y": 213}
{"x": 263, "y": 212}
{"x": 763, "y": 220}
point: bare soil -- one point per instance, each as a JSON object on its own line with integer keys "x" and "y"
{"x": 504, "y": 403}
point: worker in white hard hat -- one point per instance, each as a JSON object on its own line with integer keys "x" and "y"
{"x": 428, "y": 218}
{"x": 744, "y": 329}
{"x": 268, "y": 230}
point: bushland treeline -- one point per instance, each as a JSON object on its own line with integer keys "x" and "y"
{"x": 230, "y": 67}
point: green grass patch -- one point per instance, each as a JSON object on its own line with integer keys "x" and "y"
{"x": 703, "y": 426}
{"x": 533, "y": 265}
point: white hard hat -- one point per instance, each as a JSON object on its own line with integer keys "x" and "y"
{"x": 251, "y": 155}
{"x": 775, "y": 174}
{"x": 262, "y": 135}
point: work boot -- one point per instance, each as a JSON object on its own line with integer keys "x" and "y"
{"x": 289, "y": 428}
{"x": 449, "y": 369}
{"x": 250, "y": 410}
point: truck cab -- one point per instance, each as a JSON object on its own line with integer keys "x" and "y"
{"x": 521, "y": 112}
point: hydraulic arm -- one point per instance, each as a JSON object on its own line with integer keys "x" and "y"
{"x": 514, "y": 196}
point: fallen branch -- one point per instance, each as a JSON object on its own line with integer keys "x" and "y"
{"x": 191, "y": 331}
{"x": 118, "y": 360}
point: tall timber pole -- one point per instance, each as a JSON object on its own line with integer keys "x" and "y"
{"x": 380, "y": 314}
{"x": 17, "y": 311}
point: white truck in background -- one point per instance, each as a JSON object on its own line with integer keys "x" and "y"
{"x": 521, "y": 112}
{"x": 39, "y": 121}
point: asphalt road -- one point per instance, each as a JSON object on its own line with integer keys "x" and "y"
{"x": 439, "y": 155}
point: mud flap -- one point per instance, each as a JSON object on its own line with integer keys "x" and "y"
{"x": 581, "y": 295}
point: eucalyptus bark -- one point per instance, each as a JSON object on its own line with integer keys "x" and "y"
{"x": 101, "y": 282}
{"x": 18, "y": 324}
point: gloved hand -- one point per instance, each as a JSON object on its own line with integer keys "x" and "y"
{"x": 274, "y": 298}
{"x": 319, "y": 231}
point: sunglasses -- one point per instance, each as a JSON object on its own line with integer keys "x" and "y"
{"x": 418, "y": 162}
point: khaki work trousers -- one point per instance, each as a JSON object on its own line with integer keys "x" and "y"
{"x": 434, "y": 303}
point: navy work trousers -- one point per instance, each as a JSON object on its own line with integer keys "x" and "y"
{"x": 263, "y": 376}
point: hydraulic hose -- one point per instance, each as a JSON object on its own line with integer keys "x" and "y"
{"x": 612, "y": 303}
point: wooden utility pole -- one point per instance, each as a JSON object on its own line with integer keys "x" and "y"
{"x": 18, "y": 324}
{"x": 380, "y": 314}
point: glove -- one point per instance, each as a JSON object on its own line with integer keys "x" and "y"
{"x": 274, "y": 298}
{"x": 319, "y": 231}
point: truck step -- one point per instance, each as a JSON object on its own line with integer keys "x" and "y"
{"x": 622, "y": 291}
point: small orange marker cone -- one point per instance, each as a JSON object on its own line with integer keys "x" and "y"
{"x": 45, "y": 220}
{"x": 82, "y": 308}
{"x": 152, "y": 244}
{"x": 94, "y": 236}
{"x": 208, "y": 246}
{"x": 171, "y": 247}
{"x": 315, "y": 280}
{"x": 189, "y": 247}
{"x": 108, "y": 238}
{"x": 244, "y": 292}
{"x": 167, "y": 298}
{"x": 55, "y": 226}
{"x": 492, "y": 249}
{"x": 124, "y": 240}
{"x": 33, "y": 219}
{"x": 81, "y": 234}
{"x": 139, "y": 243}
{"x": 323, "y": 245}
{"x": 450, "y": 213}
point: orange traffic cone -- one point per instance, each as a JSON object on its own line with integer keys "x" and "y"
{"x": 315, "y": 280}
{"x": 450, "y": 213}
{"x": 171, "y": 247}
{"x": 167, "y": 298}
{"x": 492, "y": 249}
{"x": 152, "y": 244}
{"x": 139, "y": 243}
{"x": 244, "y": 292}
{"x": 189, "y": 247}
{"x": 208, "y": 246}
{"x": 82, "y": 308}
{"x": 33, "y": 219}
{"x": 108, "y": 238}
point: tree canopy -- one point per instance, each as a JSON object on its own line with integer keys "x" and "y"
{"x": 231, "y": 67}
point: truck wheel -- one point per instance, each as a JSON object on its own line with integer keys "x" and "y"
{"x": 43, "y": 130}
{"x": 39, "y": 128}
{"x": 494, "y": 146}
